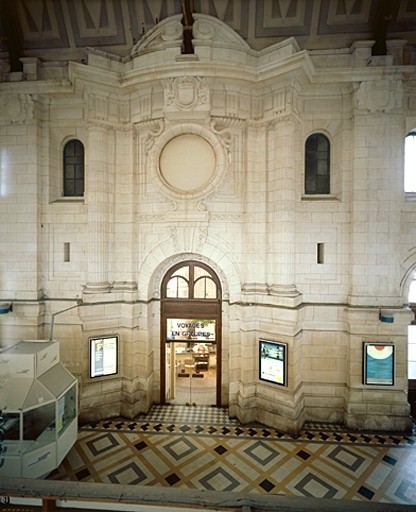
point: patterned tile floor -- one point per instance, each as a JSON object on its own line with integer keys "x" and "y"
{"x": 202, "y": 448}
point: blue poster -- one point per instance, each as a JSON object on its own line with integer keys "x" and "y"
{"x": 379, "y": 364}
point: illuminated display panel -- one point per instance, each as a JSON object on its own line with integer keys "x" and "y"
{"x": 103, "y": 356}
{"x": 273, "y": 362}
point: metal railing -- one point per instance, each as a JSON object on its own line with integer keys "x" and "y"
{"x": 51, "y": 495}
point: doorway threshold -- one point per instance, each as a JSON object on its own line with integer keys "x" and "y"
{"x": 190, "y": 414}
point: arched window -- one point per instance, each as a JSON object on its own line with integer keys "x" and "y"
{"x": 411, "y": 351}
{"x": 317, "y": 169}
{"x": 410, "y": 162}
{"x": 191, "y": 280}
{"x": 73, "y": 166}
{"x": 412, "y": 293}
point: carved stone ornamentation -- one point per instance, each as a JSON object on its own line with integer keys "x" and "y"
{"x": 189, "y": 237}
{"x": 379, "y": 96}
{"x": 224, "y": 135}
{"x": 16, "y": 108}
{"x": 166, "y": 34}
{"x": 186, "y": 93}
{"x": 155, "y": 128}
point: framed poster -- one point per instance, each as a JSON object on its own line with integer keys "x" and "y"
{"x": 273, "y": 362}
{"x": 103, "y": 356}
{"x": 378, "y": 361}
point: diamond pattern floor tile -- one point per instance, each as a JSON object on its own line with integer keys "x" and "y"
{"x": 202, "y": 448}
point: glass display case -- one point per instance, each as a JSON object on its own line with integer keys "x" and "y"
{"x": 38, "y": 409}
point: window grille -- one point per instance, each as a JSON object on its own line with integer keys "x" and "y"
{"x": 317, "y": 164}
{"x": 74, "y": 169}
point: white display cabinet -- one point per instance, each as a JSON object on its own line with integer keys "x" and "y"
{"x": 38, "y": 409}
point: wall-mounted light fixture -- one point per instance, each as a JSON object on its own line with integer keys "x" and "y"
{"x": 79, "y": 303}
{"x": 6, "y": 307}
{"x": 386, "y": 315}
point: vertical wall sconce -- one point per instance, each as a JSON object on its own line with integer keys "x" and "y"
{"x": 6, "y": 307}
{"x": 386, "y": 315}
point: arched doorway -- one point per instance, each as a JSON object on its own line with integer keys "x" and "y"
{"x": 190, "y": 335}
{"x": 411, "y": 352}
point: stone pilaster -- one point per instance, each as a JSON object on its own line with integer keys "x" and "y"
{"x": 99, "y": 205}
{"x": 124, "y": 215}
{"x": 254, "y": 227}
{"x": 281, "y": 215}
{"x": 377, "y": 194}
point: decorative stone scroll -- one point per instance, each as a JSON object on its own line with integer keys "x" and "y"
{"x": 155, "y": 127}
{"x": 188, "y": 237}
{"x": 167, "y": 33}
{"x": 207, "y": 30}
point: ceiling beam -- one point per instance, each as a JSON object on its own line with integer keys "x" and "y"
{"x": 10, "y": 27}
{"x": 187, "y": 22}
{"x": 385, "y": 12}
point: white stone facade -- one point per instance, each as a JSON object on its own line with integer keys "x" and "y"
{"x": 248, "y": 114}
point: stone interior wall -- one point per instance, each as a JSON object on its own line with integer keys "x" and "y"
{"x": 245, "y": 214}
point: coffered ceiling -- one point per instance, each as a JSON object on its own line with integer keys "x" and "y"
{"x": 62, "y": 29}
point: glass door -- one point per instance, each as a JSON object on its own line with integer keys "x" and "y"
{"x": 190, "y": 335}
{"x": 191, "y": 373}
{"x": 191, "y": 362}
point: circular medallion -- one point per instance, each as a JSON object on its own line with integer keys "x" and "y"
{"x": 187, "y": 162}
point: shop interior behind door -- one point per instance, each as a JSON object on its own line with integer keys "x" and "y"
{"x": 191, "y": 373}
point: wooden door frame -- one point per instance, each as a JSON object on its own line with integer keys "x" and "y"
{"x": 191, "y": 308}
{"x": 411, "y": 383}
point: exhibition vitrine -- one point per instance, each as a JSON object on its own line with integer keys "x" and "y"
{"x": 38, "y": 409}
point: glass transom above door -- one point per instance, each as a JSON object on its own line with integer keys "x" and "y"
{"x": 180, "y": 329}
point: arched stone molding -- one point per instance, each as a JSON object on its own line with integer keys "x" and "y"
{"x": 165, "y": 34}
{"x": 408, "y": 274}
{"x": 323, "y": 131}
{"x": 159, "y": 261}
{"x": 206, "y": 31}
{"x": 410, "y": 126}
{"x": 209, "y": 31}
{"x": 219, "y": 148}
